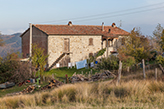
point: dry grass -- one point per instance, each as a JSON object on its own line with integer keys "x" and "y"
{"x": 138, "y": 75}
{"x": 132, "y": 94}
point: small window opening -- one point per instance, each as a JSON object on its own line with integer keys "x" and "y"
{"x": 90, "y": 41}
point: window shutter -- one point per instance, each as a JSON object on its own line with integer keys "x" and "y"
{"x": 90, "y": 41}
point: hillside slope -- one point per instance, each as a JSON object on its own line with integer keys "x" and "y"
{"x": 12, "y": 44}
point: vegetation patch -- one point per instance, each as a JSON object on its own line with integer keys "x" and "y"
{"x": 102, "y": 94}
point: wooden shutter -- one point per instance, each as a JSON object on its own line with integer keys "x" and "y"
{"x": 66, "y": 45}
{"x": 90, "y": 41}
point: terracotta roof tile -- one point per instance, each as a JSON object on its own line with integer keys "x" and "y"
{"x": 80, "y": 30}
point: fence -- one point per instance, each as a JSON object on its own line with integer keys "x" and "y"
{"x": 142, "y": 71}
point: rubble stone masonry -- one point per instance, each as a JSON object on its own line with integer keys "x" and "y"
{"x": 78, "y": 46}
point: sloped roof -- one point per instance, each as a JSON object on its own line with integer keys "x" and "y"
{"x": 116, "y": 30}
{"x": 80, "y": 30}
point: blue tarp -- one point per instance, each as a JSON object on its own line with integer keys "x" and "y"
{"x": 81, "y": 64}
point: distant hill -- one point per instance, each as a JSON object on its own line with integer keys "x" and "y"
{"x": 12, "y": 44}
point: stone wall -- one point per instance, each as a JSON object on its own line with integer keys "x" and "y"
{"x": 79, "y": 46}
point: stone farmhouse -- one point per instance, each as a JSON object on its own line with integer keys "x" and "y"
{"x": 72, "y": 43}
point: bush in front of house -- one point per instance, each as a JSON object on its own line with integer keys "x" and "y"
{"x": 127, "y": 61}
{"x": 94, "y": 57}
{"x": 109, "y": 63}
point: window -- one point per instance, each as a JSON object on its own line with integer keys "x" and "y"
{"x": 90, "y": 41}
{"x": 66, "y": 44}
{"x": 27, "y": 55}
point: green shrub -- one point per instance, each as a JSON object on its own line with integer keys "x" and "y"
{"x": 160, "y": 60}
{"x": 129, "y": 61}
{"x": 7, "y": 65}
{"x": 109, "y": 63}
{"x": 11, "y": 69}
{"x": 94, "y": 57}
{"x": 101, "y": 52}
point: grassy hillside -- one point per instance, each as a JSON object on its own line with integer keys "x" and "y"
{"x": 132, "y": 93}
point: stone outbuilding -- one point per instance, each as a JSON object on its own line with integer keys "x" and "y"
{"x": 72, "y": 43}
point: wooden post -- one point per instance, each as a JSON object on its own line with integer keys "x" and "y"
{"x": 156, "y": 74}
{"x": 43, "y": 78}
{"x": 89, "y": 74}
{"x": 128, "y": 69}
{"x": 119, "y": 72}
{"x": 52, "y": 76}
{"x": 143, "y": 62}
{"x": 91, "y": 71}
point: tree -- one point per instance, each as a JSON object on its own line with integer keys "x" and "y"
{"x": 156, "y": 39}
{"x": 160, "y": 59}
{"x": 11, "y": 69}
{"x": 1, "y": 41}
{"x": 162, "y": 38}
{"x": 126, "y": 60}
{"x": 39, "y": 59}
{"x": 136, "y": 46}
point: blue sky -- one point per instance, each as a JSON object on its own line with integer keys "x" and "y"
{"x": 17, "y": 14}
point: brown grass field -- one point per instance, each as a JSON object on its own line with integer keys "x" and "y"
{"x": 132, "y": 93}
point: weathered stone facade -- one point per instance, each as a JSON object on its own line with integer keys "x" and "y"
{"x": 79, "y": 47}
{"x": 72, "y": 43}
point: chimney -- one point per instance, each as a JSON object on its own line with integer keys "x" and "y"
{"x": 113, "y": 25}
{"x": 69, "y": 23}
{"x": 109, "y": 30}
{"x": 102, "y": 26}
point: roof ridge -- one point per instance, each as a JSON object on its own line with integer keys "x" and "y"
{"x": 80, "y": 29}
{"x": 68, "y": 25}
